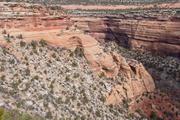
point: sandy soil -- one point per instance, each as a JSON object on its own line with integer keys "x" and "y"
{"x": 119, "y": 7}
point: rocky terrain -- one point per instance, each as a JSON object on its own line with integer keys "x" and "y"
{"x": 61, "y": 66}
{"x": 54, "y": 85}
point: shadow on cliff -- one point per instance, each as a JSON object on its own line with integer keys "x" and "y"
{"x": 113, "y": 32}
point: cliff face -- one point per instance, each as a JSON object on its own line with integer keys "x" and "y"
{"x": 161, "y": 37}
{"x": 157, "y": 36}
{"x": 160, "y": 34}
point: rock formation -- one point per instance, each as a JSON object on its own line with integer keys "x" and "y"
{"x": 86, "y": 33}
{"x": 109, "y": 64}
{"x": 151, "y": 33}
{"x": 138, "y": 81}
{"x": 146, "y": 34}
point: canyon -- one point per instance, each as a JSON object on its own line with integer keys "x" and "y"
{"x": 156, "y": 34}
{"x": 161, "y": 37}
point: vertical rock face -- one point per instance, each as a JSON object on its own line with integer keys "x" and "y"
{"x": 153, "y": 34}
{"x": 145, "y": 34}
{"x": 158, "y": 36}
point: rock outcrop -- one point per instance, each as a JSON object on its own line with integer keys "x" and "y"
{"x": 138, "y": 81}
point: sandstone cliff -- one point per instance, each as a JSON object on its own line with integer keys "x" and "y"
{"x": 161, "y": 37}
{"x": 146, "y": 35}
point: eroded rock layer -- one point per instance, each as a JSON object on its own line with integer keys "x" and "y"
{"x": 158, "y": 36}
{"x": 147, "y": 35}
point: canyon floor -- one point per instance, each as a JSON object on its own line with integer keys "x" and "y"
{"x": 56, "y": 66}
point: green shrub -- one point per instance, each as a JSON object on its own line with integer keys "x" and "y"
{"x": 76, "y": 75}
{"x": 42, "y": 42}
{"x": 7, "y": 38}
{"x": 34, "y": 44}
{"x": 101, "y": 75}
{"x": 74, "y": 64}
{"x": 71, "y": 54}
{"x": 67, "y": 78}
{"x": 19, "y": 36}
{"x": 49, "y": 115}
{"x": 25, "y": 116}
{"x": 1, "y": 113}
{"x": 27, "y": 72}
{"x": 103, "y": 99}
{"x": 79, "y": 52}
{"x": 98, "y": 114}
{"x": 36, "y": 77}
{"x": 153, "y": 116}
{"x": 22, "y": 44}
{"x": 3, "y": 77}
{"x": 54, "y": 55}
{"x": 16, "y": 115}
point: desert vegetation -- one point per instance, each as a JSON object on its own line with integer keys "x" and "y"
{"x": 16, "y": 115}
{"x": 54, "y": 83}
{"x": 134, "y": 12}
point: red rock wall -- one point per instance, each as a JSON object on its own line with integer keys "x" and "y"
{"x": 153, "y": 34}
{"x": 33, "y": 23}
{"x": 161, "y": 37}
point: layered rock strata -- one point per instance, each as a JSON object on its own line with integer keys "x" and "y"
{"x": 157, "y": 36}
{"x": 161, "y": 37}
{"x": 156, "y": 33}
